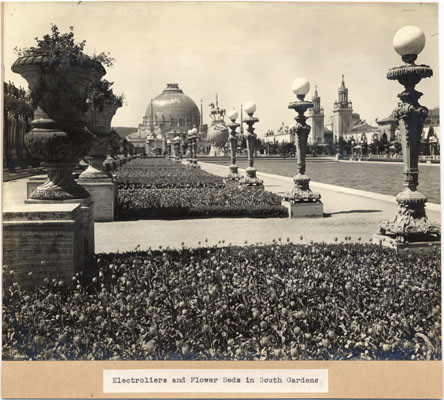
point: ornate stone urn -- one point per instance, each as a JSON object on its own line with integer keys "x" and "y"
{"x": 98, "y": 121}
{"x": 410, "y": 223}
{"x": 59, "y": 136}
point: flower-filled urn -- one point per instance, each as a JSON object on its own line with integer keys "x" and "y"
{"x": 58, "y": 78}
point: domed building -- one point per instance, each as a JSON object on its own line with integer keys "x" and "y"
{"x": 172, "y": 113}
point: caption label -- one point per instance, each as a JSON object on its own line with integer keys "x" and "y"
{"x": 215, "y": 381}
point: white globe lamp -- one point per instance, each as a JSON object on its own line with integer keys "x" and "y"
{"x": 250, "y": 107}
{"x": 300, "y": 87}
{"x": 232, "y": 115}
{"x": 409, "y": 40}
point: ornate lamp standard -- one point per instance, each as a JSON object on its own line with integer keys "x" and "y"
{"x": 233, "y": 125}
{"x": 168, "y": 147}
{"x": 301, "y": 192}
{"x": 410, "y": 223}
{"x": 250, "y": 179}
{"x": 192, "y": 141}
{"x": 176, "y": 144}
{"x": 194, "y": 146}
{"x": 190, "y": 137}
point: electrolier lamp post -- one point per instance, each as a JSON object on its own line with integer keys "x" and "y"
{"x": 301, "y": 192}
{"x": 410, "y": 223}
{"x": 250, "y": 179}
{"x": 176, "y": 144}
{"x": 192, "y": 136}
{"x": 233, "y": 175}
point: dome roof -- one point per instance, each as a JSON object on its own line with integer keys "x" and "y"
{"x": 173, "y": 105}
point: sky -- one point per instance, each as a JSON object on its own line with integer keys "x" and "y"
{"x": 242, "y": 51}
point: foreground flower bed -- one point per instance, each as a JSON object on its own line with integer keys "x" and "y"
{"x": 159, "y": 188}
{"x": 284, "y": 302}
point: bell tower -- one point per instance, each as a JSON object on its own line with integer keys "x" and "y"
{"x": 317, "y": 117}
{"x": 342, "y": 113}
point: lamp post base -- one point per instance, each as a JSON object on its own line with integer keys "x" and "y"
{"x": 301, "y": 192}
{"x": 410, "y": 224}
{"x": 416, "y": 247}
{"x": 233, "y": 175}
{"x": 251, "y": 179}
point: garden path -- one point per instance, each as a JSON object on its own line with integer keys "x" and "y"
{"x": 347, "y": 214}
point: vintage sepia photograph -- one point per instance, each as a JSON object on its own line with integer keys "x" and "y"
{"x": 221, "y": 181}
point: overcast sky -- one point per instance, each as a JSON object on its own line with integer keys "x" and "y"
{"x": 242, "y": 51}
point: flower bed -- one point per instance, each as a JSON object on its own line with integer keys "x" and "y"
{"x": 161, "y": 174}
{"x": 284, "y": 302}
{"x": 158, "y": 188}
{"x": 230, "y": 201}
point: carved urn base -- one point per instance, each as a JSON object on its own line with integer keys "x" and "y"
{"x": 60, "y": 184}
{"x": 59, "y": 152}
{"x": 251, "y": 179}
{"x": 301, "y": 192}
{"x": 109, "y": 164}
{"x": 96, "y": 168}
{"x": 410, "y": 224}
{"x": 234, "y": 174}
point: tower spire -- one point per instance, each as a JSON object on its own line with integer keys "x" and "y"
{"x": 201, "y": 117}
{"x": 342, "y": 83}
{"x": 152, "y": 118}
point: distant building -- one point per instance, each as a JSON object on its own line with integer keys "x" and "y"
{"x": 361, "y": 128}
{"x": 388, "y": 126}
{"x": 283, "y": 134}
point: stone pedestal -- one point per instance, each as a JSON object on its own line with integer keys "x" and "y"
{"x": 43, "y": 241}
{"x": 304, "y": 210}
{"x": 412, "y": 247}
{"x": 87, "y": 213}
{"x": 103, "y": 194}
